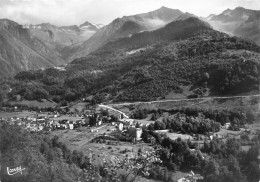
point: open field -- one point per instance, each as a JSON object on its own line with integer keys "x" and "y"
{"x": 80, "y": 139}
{"x": 67, "y": 117}
{"x": 79, "y": 107}
{"x": 143, "y": 121}
{"x": 175, "y": 176}
{"x": 16, "y": 114}
{"x": 255, "y": 126}
{"x": 44, "y": 104}
{"x": 74, "y": 139}
{"x": 174, "y": 136}
{"x": 214, "y": 103}
{"x": 225, "y": 132}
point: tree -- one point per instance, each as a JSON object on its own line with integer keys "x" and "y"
{"x": 2, "y": 95}
{"x": 158, "y": 125}
{"x": 128, "y": 169}
{"x": 210, "y": 170}
{"x": 153, "y": 117}
{"x": 151, "y": 127}
{"x": 145, "y": 136}
{"x": 104, "y": 112}
{"x": 93, "y": 120}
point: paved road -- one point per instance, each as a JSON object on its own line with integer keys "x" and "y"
{"x": 204, "y": 99}
{"x": 194, "y": 99}
{"x": 111, "y": 108}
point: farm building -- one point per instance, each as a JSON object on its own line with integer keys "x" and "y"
{"x": 135, "y": 132}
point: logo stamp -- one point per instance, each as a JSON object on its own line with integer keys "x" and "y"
{"x": 13, "y": 171}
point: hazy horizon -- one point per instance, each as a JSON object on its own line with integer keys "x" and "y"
{"x": 75, "y": 12}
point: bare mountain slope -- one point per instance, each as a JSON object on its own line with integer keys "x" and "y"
{"x": 117, "y": 29}
{"x": 58, "y": 38}
{"x": 21, "y": 51}
{"x": 239, "y": 22}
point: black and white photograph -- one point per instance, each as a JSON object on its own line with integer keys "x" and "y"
{"x": 129, "y": 90}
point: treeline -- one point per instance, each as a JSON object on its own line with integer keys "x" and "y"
{"x": 43, "y": 158}
{"x": 46, "y": 159}
{"x": 195, "y": 120}
{"x": 6, "y": 106}
{"x": 230, "y": 163}
{"x": 182, "y": 123}
{"x": 216, "y": 161}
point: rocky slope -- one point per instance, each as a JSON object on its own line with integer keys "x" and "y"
{"x": 22, "y": 51}
{"x": 25, "y": 47}
{"x": 126, "y": 26}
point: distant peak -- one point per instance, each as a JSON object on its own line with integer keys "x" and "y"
{"x": 239, "y": 7}
{"x": 163, "y": 7}
{"x": 46, "y": 25}
{"x": 7, "y": 21}
{"x": 86, "y": 23}
{"x": 227, "y": 10}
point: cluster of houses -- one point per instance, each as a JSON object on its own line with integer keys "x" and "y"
{"x": 132, "y": 127}
{"x": 46, "y": 122}
{"x": 55, "y": 121}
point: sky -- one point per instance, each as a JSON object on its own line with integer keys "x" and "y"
{"x": 76, "y": 12}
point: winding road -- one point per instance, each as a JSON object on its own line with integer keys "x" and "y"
{"x": 111, "y": 108}
{"x": 204, "y": 99}
{"x": 175, "y": 100}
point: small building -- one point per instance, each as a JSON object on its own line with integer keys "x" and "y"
{"x": 227, "y": 125}
{"x": 99, "y": 122}
{"x": 71, "y": 126}
{"x": 138, "y": 133}
{"x": 151, "y": 140}
{"x": 120, "y": 126}
{"x": 135, "y": 132}
{"x": 218, "y": 135}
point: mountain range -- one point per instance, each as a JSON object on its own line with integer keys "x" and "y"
{"x": 26, "y": 47}
{"x": 127, "y": 26}
{"x": 172, "y": 60}
{"x": 22, "y": 51}
{"x": 239, "y": 22}
{"x": 184, "y": 59}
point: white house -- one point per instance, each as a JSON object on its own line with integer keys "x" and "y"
{"x": 71, "y": 126}
{"x": 138, "y": 133}
{"x": 120, "y": 126}
{"x": 227, "y": 125}
{"x": 99, "y": 123}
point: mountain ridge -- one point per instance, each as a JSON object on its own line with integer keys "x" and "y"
{"x": 240, "y": 22}
{"x": 143, "y": 22}
{"x": 57, "y": 45}
{"x": 184, "y": 59}
{"x": 21, "y": 51}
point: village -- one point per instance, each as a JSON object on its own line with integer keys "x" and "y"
{"x": 92, "y": 119}
{"x": 101, "y": 131}
{"x": 100, "y": 116}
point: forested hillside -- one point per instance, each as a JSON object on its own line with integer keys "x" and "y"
{"x": 185, "y": 57}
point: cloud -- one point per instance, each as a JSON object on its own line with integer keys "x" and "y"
{"x": 243, "y": 0}
{"x": 69, "y": 12}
